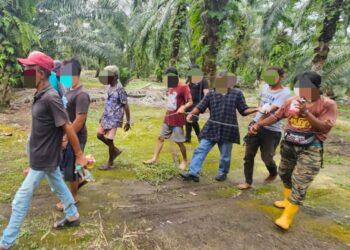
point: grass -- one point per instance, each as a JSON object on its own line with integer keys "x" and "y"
{"x": 330, "y": 190}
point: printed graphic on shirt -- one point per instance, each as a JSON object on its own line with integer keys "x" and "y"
{"x": 172, "y": 102}
{"x": 299, "y": 122}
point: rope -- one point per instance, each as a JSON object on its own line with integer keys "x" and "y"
{"x": 208, "y": 120}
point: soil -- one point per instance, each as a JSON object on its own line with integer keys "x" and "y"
{"x": 181, "y": 215}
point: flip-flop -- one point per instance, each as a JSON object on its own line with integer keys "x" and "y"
{"x": 105, "y": 167}
{"x": 64, "y": 223}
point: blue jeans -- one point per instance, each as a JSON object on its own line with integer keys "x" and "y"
{"x": 203, "y": 149}
{"x": 23, "y": 197}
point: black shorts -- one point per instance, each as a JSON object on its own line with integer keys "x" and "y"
{"x": 67, "y": 165}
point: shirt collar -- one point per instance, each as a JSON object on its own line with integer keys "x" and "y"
{"x": 39, "y": 94}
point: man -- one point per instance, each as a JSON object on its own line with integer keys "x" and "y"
{"x": 49, "y": 121}
{"x": 78, "y": 106}
{"x": 113, "y": 115}
{"x": 179, "y": 99}
{"x": 199, "y": 88}
{"x": 221, "y": 128}
{"x": 310, "y": 118}
{"x": 272, "y": 96}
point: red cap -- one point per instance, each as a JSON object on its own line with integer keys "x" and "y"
{"x": 38, "y": 58}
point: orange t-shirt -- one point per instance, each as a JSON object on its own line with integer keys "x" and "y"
{"x": 323, "y": 109}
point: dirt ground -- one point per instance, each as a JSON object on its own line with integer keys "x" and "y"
{"x": 131, "y": 214}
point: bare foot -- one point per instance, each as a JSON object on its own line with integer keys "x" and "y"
{"x": 270, "y": 179}
{"x": 244, "y": 186}
{"x": 183, "y": 165}
{"x": 151, "y": 162}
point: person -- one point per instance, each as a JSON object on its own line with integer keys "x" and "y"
{"x": 113, "y": 115}
{"x": 78, "y": 106}
{"x": 179, "y": 99}
{"x": 221, "y": 128}
{"x": 310, "y": 116}
{"x": 199, "y": 87}
{"x": 272, "y": 96}
{"x": 49, "y": 121}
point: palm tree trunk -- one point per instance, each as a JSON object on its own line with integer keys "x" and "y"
{"x": 211, "y": 23}
{"x": 178, "y": 25}
{"x": 332, "y": 12}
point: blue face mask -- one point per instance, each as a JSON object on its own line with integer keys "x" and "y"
{"x": 67, "y": 81}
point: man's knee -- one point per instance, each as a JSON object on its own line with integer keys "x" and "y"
{"x": 268, "y": 159}
{"x": 161, "y": 139}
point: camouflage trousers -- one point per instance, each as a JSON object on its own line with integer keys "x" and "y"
{"x": 298, "y": 168}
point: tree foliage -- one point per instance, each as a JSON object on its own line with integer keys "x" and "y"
{"x": 143, "y": 37}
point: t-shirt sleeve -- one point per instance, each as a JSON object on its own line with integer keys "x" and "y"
{"x": 204, "y": 103}
{"x": 82, "y": 102}
{"x": 58, "y": 112}
{"x": 123, "y": 96}
{"x": 329, "y": 113}
{"x": 282, "y": 98}
{"x": 241, "y": 103}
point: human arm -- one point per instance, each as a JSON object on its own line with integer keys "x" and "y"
{"x": 188, "y": 104}
{"x": 127, "y": 126}
{"x": 325, "y": 122}
{"x": 74, "y": 142}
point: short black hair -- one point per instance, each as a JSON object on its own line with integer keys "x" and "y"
{"x": 76, "y": 66}
{"x": 279, "y": 70}
{"x": 313, "y": 77}
{"x": 171, "y": 70}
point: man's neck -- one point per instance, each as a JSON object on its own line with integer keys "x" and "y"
{"x": 276, "y": 87}
{"x": 76, "y": 85}
{"x": 42, "y": 86}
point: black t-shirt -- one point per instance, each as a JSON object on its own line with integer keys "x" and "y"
{"x": 197, "y": 91}
{"x": 48, "y": 117}
{"x": 78, "y": 103}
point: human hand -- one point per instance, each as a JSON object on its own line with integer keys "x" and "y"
{"x": 301, "y": 105}
{"x": 81, "y": 160}
{"x": 253, "y": 130}
{"x": 127, "y": 127}
{"x": 189, "y": 118}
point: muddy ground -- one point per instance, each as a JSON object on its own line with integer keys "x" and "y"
{"x": 119, "y": 211}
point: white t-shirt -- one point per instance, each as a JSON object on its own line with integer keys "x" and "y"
{"x": 269, "y": 98}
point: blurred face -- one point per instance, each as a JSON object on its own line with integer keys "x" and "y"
{"x": 196, "y": 75}
{"x": 107, "y": 77}
{"x": 306, "y": 90}
{"x": 172, "y": 80}
{"x": 224, "y": 82}
{"x": 32, "y": 76}
{"x": 271, "y": 77}
{"x": 69, "y": 75}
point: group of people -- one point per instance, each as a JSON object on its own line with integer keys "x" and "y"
{"x": 59, "y": 132}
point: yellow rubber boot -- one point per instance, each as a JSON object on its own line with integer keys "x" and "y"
{"x": 282, "y": 204}
{"x": 287, "y": 216}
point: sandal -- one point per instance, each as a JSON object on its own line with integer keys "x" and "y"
{"x": 64, "y": 223}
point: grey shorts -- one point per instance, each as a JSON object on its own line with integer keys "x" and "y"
{"x": 177, "y": 133}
